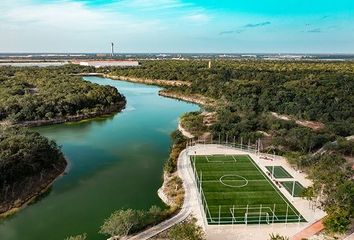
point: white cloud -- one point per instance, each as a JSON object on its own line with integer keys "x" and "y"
{"x": 30, "y": 25}
{"x": 67, "y": 15}
{"x": 199, "y": 18}
{"x": 153, "y": 5}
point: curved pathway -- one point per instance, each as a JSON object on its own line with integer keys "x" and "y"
{"x": 182, "y": 170}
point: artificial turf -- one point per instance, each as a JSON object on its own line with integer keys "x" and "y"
{"x": 298, "y": 188}
{"x": 233, "y": 186}
{"x": 279, "y": 172}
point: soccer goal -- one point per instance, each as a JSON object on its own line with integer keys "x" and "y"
{"x": 256, "y": 217}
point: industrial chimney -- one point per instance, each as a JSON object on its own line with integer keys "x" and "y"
{"x": 112, "y": 49}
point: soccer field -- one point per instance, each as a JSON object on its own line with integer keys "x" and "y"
{"x": 234, "y": 190}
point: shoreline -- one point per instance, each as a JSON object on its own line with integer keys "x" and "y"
{"x": 71, "y": 118}
{"x": 183, "y": 210}
{"x": 158, "y": 82}
{"x": 15, "y": 208}
{"x": 184, "y": 132}
{"x": 191, "y": 98}
{"x": 19, "y": 204}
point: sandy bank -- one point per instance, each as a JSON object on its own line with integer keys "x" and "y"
{"x": 73, "y": 118}
{"x": 158, "y": 82}
{"x": 192, "y": 98}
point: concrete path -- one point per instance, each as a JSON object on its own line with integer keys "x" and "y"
{"x": 309, "y": 231}
{"x": 182, "y": 170}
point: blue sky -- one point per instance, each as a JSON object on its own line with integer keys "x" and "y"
{"x": 297, "y": 26}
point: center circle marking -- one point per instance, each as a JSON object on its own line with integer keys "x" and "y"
{"x": 243, "y": 180}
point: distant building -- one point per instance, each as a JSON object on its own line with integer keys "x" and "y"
{"x": 108, "y": 63}
{"x": 102, "y": 54}
{"x": 112, "y": 49}
{"x": 33, "y": 63}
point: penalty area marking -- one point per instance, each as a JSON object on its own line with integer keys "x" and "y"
{"x": 219, "y": 161}
{"x": 233, "y": 186}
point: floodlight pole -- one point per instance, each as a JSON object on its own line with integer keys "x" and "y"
{"x": 286, "y": 217}
{"x": 200, "y": 183}
{"x": 273, "y": 213}
{"x": 233, "y": 215}
{"x": 219, "y": 214}
{"x": 241, "y": 142}
{"x": 273, "y": 171}
{"x": 292, "y": 192}
{"x": 219, "y": 138}
{"x": 234, "y": 141}
{"x": 227, "y": 136}
{"x": 260, "y": 215}
{"x": 259, "y": 146}
{"x": 246, "y": 214}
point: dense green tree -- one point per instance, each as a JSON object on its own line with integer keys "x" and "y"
{"x": 308, "y": 90}
{"x": 45, "y": 93}
{"x": 25, "y": 153}
{"x": 277, "y": 237}
{"x": 186, "y": 231}
{"x": 120, "y": 223}
{"x": 77, "y": 237}
{"x": 337, "y": 220}
{"x": 28, "y": 163}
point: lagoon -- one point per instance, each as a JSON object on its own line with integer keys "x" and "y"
{"x": 114, "y": 162}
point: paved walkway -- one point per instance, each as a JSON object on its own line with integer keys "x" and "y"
{"x": 309, "y": 231}
{"x": 182, "y": 170}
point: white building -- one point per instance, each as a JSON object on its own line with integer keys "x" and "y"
{"x": 108, "y": 63}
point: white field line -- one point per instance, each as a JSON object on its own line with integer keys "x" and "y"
{"x": 218, "y": 181}
{"x": 217, "y": 161}
{"x": 260, "y": 170}
{"x": 202, "y": 197}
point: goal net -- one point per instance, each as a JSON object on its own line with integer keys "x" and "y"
{"x": 257, "y": 217}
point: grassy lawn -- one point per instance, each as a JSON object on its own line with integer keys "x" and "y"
{"x": 298, "y": 188}
{"x": 279, "y": 172}
{"x": 235, "y": 188}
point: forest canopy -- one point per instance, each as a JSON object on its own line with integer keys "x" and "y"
{"x": 321, "y": 91}
{"x": 45, "y": 93}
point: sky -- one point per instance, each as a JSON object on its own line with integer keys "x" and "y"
{"x": 172, "y": 26}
